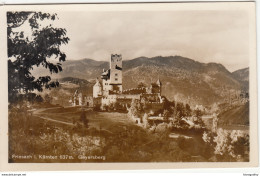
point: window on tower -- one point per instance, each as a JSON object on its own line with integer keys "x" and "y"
{"x": 116, "y": 79}
{"x": 116, "y": 74}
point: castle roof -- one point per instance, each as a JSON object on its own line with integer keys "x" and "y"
{"x": 97, "y": 83}
{"x": 115, "y": 55}
{"x": 105, "y": 74}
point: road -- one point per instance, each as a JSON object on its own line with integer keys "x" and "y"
{"x": 37, "y": 113}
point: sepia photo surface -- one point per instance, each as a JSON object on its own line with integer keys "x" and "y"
{"x": 167, "y": 83}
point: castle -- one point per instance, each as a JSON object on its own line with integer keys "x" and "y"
{"x": 110, "y": 89}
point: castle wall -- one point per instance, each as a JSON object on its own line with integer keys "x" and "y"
{"x": 135, "y": 91}
{"x": 154, "y": 106}
{"x": 88, "y": 101}
{"x": 151, "y": 97}
{"x": 106, "y": 87}
{"x": 108, "y": 99}
{"x": 97, "y": 101}
{"x": 124, "y": 101}
{"x": 129, "y": 96}
{"x": 97, "y": 91}
{"x": 121, "y": 98}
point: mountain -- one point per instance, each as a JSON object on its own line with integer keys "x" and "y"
{"x": 242, "y": 75}
{"x": 78, "y": 81}
{"x": 238, "y": 115}
{"x": 87, "y": 69}
{"x": 68, "y": 85}
{"x": 183, "y": 79}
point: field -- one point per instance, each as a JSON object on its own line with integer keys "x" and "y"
{"x": 119, "y": 138}
{"x": 104, "y": 120}
{"x": 60, "y": 131}
{"x": 237, "y": 115}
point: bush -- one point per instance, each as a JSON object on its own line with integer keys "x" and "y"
{"x": 228, "y": 146}
{"x": 97, "y": 107}
{"x": 31, "y": 135}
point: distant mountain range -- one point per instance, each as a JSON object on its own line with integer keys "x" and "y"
{"x": 183, "y": 79}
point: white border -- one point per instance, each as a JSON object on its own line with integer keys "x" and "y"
{"x": 120, "y": 7}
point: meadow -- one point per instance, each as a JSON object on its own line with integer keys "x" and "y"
{"x": 58, "y": 131}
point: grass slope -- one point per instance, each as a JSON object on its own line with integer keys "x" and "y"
{"x": 235, "y": 116}
{"x": 127, "y": 142}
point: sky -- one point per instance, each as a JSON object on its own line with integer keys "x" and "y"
{"x": 204, "y": 36}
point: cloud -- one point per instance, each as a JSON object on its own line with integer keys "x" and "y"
{"x": 205, "y": 36}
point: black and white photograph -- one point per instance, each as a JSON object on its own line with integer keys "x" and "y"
{"x": 144, "y": 85}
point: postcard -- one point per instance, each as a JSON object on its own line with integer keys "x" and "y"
{"x": 128, "y": 86}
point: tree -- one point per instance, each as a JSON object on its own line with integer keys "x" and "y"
{"x": 34, "y": 50}
{"x": 141, "y": 85}
{"x": 240, "y": 142}
{"x": 83, "y": 118}
{"x": 179, "y": 111}
{"x": 214, "y": 123}
{"x": 47, "y": 98}
{"x": 145, "y": 121}
{"x": 166, "y": 115}
{"x": 187, "y": 110}
{"x": 197, "y": 113}
{"x": 134, "y": 108}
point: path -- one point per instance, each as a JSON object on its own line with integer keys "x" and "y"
{"x": 57, "y": 121}
{"x": 37, "y": 113}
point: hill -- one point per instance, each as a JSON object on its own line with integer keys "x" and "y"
{"x": 238, "y": 115}
{"x": 68, "y": 85}
{"x": 242, "y": 75}
{"x": 183, "y": 79}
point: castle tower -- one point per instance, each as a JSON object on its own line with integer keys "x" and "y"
{"x": 112, "y": 78}
{"x": 97, "y": 89}
{"x": 116, "y": 72}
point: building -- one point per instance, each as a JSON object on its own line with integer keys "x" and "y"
{"x": 79, "y": 99}
{"x": 112, "y": 78}
{"x": 110, "y": 89}
{"x": 97, "y": 89}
